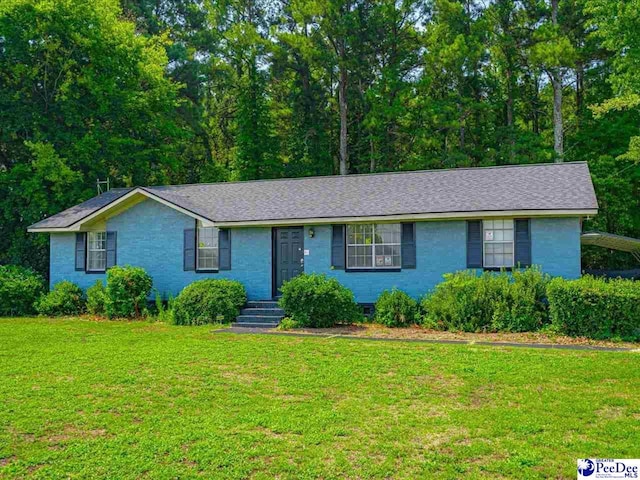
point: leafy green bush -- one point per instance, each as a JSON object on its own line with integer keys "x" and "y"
{"x": 165, "y": 311}
{"x": 394, "y": 308}
{"x": 96, "y": 298}
{"x": 318, "y": 301}
{"x": 127, "y": 291}
{"x": 287, "y": 324}
{"x": 524, "y": 307}
{"x": 66, "y": 298}
{"x": 209, "y": 301}
{"x": 20, "y": 288}
{"x": 595, "y": 308}
{"x": 488, "y": 302}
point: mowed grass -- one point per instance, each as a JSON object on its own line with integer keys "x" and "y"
{"x": 85, "y": 399}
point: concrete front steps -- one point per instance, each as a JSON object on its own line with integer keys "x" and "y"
{"x": 260, "y": 314}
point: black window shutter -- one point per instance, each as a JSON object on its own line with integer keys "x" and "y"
{"x": 338, "y": 247}
{"x": 189, "y": 249}
{"x": 408, "y": 245}
{"x": 81, "y": 251}
{"x": 474, "y": 243}
{"x": 224, "y": 249}
{"x": 522, "y": 242}
{"x": 112, "y": 258}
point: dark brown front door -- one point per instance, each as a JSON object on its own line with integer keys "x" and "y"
{"x": 288, "y": 255}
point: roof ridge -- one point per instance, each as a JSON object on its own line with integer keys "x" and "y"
{"x": 312, "y": 177}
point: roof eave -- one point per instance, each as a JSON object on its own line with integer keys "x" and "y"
{"x": 582, "y": 212}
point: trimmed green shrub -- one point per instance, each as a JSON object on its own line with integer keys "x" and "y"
{"x": 66, "y": 298}
{"x": 394, "y": 308}
{"x": 20, "y": 288}
{"x": 209, "y": 301}
{"x": 488, "y": 302}
{"x": 595, "y": 308}
{"x": 95, "y": 298}
{"x": 127, "y": 291}
{"x": 318, "y": 301}
{"x": 524, "y": 306}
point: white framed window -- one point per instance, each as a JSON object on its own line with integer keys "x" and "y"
{"x": 207, "y": 251}
{"x": 96, "y": 251}
{"x": 373, "y": 246}
{"x": 498, "y": 243}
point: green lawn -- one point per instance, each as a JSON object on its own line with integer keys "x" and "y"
{"x": 89, "y": 399}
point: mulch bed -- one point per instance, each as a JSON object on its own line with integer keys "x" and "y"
{"x": 419, "y": 333}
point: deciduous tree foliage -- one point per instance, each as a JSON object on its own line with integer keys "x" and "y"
{"x": 82, "y": 96}
{"x": 169, "y": 91}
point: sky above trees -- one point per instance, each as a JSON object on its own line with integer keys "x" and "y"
{"x": 174, "y": 91}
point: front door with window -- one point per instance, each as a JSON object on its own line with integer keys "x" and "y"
{"x": 288, "y": 255}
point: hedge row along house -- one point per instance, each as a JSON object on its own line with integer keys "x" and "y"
{"x": 372, "y": 232}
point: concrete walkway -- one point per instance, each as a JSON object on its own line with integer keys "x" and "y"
{"x": 548, "y": 346}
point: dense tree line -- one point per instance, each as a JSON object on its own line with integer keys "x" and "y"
{"x": 170, "y": 91}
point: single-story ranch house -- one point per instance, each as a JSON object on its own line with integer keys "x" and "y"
{"x": 371, "y": 232}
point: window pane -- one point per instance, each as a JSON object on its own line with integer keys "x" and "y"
{"x": 489, "y": 260}
{"x": 97, "y": 240}
{"x": 359, "y": 234}
{"x": 361, "y": 239}
{"x": 208, "y": 237}
{"x": 508, "y": 235}
{"x": 359, "y": 256}
{"x": 498, "y": 243}
{"x": 208, "y": 259}
{"x": 97, "y": 260}
{"x": 207, "y": 248}
{"x": 351, "y": 256}
{"x": 387, "y": 256}
{"x": 96, "y": 251}
{"x": 351, "y": 234}
{"x": 388, "y": 233}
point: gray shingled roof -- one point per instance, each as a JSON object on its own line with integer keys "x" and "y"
{"x": 74, "y": 214}
{"x": 564, "y": 186}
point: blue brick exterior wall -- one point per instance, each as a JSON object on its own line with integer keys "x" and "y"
{"x": 150, "y": 235}
{"x": 440, "y": 248}
{"x": 555, "y": 245}
{"x": 62, "y": 262}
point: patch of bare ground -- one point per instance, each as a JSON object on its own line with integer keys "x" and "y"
{"x": 436, "y": 440}
{"x": 610, "y": 412}
{"x": 7, "y": 460}
{"x": 368, "y": 330}
{"x": 71, "y": 432}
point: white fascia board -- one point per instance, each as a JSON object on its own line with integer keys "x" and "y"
{"x": 415, "y": 217}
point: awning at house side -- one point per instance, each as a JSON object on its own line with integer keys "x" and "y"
{"x": 613, "y": 242}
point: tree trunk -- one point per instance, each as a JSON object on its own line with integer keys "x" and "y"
{"x": 342, "y": 99}
{"x": 372, "y": 165}
{"x": 556, "y": 81}
{"x": 512, "y": 143}
{"x": 558, "y": 141}
{"x": 462, "y": 131}
{"x": 579, "y": 89}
